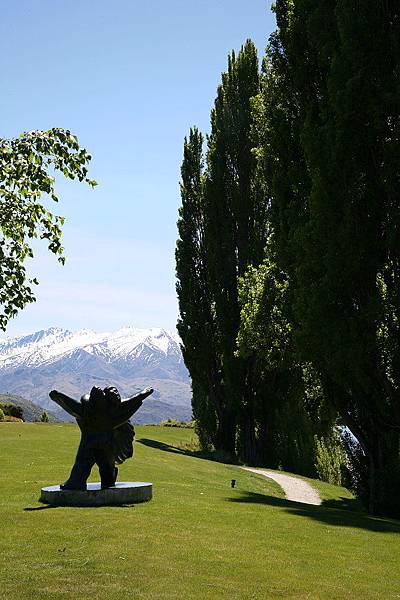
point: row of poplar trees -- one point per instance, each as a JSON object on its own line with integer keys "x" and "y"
{"x": 288, "y": 257}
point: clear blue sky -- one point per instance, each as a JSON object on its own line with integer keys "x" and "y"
{"x": 129, "y": 78}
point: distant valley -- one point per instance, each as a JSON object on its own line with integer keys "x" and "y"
{"x": 72, "y": 362}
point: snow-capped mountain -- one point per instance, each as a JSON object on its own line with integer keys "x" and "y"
{"x": 73, "y": 362}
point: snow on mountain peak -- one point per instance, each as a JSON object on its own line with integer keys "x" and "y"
{"x": 48, "y": 345}
{"x": 129, "y": 358}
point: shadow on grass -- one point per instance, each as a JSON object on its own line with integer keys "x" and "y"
{"x": 46, "y": 506}
{"x": 34, "y": 508}
{"x": 215, "y": 456}
{"x": 331, "y": 512}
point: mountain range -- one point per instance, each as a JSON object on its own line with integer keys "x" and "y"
{"x": 73, "y": 362}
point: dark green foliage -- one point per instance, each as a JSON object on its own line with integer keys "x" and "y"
{"x": 175, "y": 423}
{"x": 196, "y": 325}
{"x": 12, "y": 410}
{"x": 311, "y": 164}
{"x": 255, "y": 403}
{"x": 44, "y": 418}
{"x": 332, "y": 91}
{"x": 330, "y": 457}
{"x": 290, "y": 408}
{"x": 222, "y": 230}
{"x": 236, "y": 236}
{"x": 265, "y": 336}
{"x": 25, "y": 165}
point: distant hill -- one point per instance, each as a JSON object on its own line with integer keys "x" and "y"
{"x": 32, "y": 412}
{"x": 73, "y": 362}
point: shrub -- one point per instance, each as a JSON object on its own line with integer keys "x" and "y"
{"x": 1, "y": 414}
{"x": 44, "y": 417}
{"x": 191, "y": 446}
{"x": 170, "y": 423}
{"x": 12, "y": 410}
{"x": 356, "y": 468}
{"x": 175, "y": 423}
{"x": 330, "y": 457}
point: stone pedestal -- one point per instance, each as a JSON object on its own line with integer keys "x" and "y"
{"x": 123, "y": 492}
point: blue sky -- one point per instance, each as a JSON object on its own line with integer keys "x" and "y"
{"x": 129, "y": 78}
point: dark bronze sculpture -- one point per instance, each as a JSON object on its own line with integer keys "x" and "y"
{"x": 106, "y": 434}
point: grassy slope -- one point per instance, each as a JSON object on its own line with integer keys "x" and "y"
{"x": 198, "y": 538}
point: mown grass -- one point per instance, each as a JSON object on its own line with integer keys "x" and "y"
{"x": 197, "y": 539}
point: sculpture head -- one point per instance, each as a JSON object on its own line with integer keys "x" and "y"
{"x": 112, "y": 395}
{"x": 96, "y": 397}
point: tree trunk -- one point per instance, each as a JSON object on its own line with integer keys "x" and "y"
{"x": 226, "y": 432}
{"x": 249, "y": 452}
{"x": 384, "y": 475}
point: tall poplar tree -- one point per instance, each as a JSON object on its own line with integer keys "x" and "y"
{"x": 235, "y": 234}
{"x": 196, "y": 324}
{"x": 333, "y": 69}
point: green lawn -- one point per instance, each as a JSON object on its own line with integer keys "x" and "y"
{"x": 197, "y": 538}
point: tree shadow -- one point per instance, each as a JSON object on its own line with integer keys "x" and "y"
{"x": 165, "y": 447}
{"x": 214, "y": 456}
{"x": 341, "y": 513}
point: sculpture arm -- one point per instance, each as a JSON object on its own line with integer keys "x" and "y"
{"x": 128, "y": 407}
{"x": 72, "y": 407}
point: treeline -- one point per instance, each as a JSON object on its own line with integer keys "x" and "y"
{"x": 9, "y": 409}
{"x": 288, "y": 257}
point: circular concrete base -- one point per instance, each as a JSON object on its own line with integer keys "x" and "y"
{"x": 124, "y": 492}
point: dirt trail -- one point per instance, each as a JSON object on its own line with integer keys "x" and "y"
{"x": 295, "y": 489}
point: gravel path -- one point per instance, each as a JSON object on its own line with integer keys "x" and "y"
{"x": 295, "y": 489}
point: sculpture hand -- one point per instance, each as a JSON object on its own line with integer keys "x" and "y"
{"x": 128, "y": 407}
{"x": 73, "y": 407}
